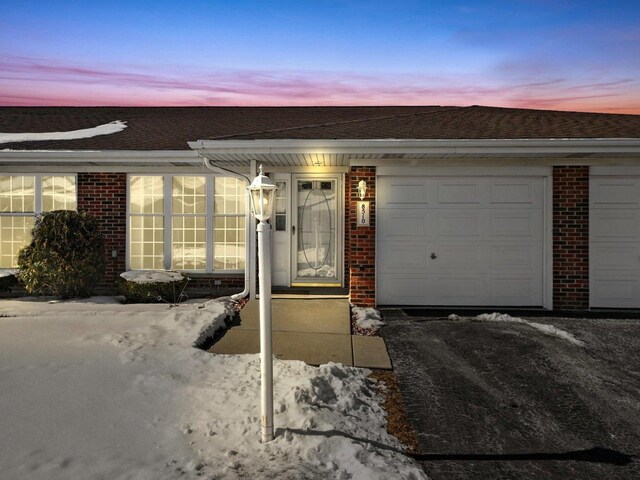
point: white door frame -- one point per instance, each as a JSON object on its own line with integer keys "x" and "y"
{"x": 339, "y": 228}
{"x": 281, "y": 244}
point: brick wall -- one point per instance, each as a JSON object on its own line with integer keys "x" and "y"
{"x": 570, "y": 237}
{"x": 360, "y": 245}
{"x": 104, "y": 195}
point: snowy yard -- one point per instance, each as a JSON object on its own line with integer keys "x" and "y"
{"x": 100, "y": 390}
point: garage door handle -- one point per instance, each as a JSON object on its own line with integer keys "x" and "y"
{"x": 433, "y": 255}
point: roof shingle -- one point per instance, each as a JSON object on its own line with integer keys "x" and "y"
{"x": 170, "y": 128}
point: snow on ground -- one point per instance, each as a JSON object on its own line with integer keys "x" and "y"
{"x": 542, "y": 327}
{"x": 106, "y": 129}
{"x": 95, "y": 390}
{"x": 152, "y": 276}
{"x": 367, "y": 321}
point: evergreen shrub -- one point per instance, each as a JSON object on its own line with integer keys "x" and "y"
{"x": 65, "y": 257}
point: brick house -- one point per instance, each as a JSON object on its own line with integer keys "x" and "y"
{"x": 464, "y": 206}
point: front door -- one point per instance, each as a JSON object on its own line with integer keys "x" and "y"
{"x": 316, "y": 231}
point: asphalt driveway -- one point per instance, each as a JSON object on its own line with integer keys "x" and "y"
{"x": 499, "y": 400}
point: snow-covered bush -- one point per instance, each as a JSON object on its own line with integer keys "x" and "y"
{"x": 153, "y": 286}
{"x": 65, "y": 257}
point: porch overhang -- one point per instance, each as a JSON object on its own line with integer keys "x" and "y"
{"x": 344, "y": 153}
{"x": 337, "y": 154}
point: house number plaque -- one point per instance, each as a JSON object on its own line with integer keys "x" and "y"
{"x": 362, "y": 214}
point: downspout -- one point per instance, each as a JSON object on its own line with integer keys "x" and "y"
{"x": 247, "y": 236}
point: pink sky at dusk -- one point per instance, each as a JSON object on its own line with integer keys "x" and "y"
{"x": 534, "y": 54}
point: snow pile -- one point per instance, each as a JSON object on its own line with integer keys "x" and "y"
{"x": 366, "y": 321}
{"x": 7, "y": 273}
{"x": 106, "y": 129}
{"x": 544, "y": 328}
{"x": 151, "y": 276}
{"x": 105, "y": 390}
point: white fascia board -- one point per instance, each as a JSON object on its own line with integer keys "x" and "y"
{"x": 101, "y": 157}
{"x": 455, "y": 146}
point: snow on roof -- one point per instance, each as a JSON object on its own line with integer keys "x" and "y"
{"x": 105, "y": 129}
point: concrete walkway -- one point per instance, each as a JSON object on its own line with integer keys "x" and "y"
{"x": 315, "y": 331}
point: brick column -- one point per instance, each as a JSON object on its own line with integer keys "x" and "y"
{"x": 571, "y": 237}
{"x": 104, "y": 195}
{"x": 360, "y": 247}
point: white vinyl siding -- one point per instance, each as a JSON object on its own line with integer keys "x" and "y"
{"x": 174, "y": 219}
{"x": 22, "y": 197}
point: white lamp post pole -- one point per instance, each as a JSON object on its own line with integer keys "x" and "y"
{"x": 266, "y": 359}
{"x": 262, "y": 197}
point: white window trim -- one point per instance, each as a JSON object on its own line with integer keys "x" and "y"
{"x": 37, "y": 191}
{"x": 37, "y": 206}
{"x": 210, "y": 216}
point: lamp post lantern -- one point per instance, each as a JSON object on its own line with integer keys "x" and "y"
{"x": 262, "y": 197}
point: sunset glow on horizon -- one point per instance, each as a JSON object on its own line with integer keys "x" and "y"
{"x": 572, "y": 55}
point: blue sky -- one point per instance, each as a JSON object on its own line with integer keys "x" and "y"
{"x": 568, "y": 55}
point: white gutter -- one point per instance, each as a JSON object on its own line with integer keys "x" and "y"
{"x": 247, "y": 230}
{"x": 102, "y": 156}
{"x": 408, "y": 146}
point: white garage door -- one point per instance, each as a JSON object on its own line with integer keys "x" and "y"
{"x": 460, "y": 241}
{"x": 615, "y": 241}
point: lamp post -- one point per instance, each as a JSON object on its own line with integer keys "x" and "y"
{"x": 262, "y": 197}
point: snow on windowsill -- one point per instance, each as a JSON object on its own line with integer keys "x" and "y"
{"x": 151, "y": 276}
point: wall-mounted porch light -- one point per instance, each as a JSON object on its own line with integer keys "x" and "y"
{"x": 362, "y": 189}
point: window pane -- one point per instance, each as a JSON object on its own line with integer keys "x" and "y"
{"x": 146, "y": 245}
{"x": 17, "y": 194}
{"x": 146, "y": 194}
{"x": 189, "y": 195}
{"x": 230, "y": 196}
{"x": 189, "y": 248}
{"x": 15, "y": 233}
{"x": 229, "y": 246}
{"x": 58, "y": 193}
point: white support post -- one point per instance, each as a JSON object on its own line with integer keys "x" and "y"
{"x": 253, "y": 170}
{"x": 266, "y": 358}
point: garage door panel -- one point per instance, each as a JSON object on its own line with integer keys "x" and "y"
{"x": 404, "y": 259}
{"x": 515, "y": 224}
{"x": 510, "y": 258}
{"x": 613, "y": 193}
{"x": 457, "y": 192}
{"x": 513, "y": 291}
{"x": 456, "y": 258}
{"x": 487, "y": 245}
{"x": 402, "y": 289}
{"x": 404, "y": 224}
{"x": 519, "y": 192}
{"x": 401, "y": 191}
{"x": 615, "y": 241}
{"x": 458, "y": 224}
{"x": 617, "y": 293}
{"x": 458, "y": 290}
{"x": 615, "y": 259}
{"x": 612, "y": 225}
